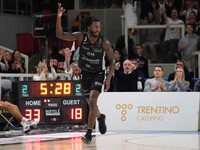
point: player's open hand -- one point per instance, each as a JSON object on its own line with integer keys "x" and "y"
{"x": 61, "y": 10}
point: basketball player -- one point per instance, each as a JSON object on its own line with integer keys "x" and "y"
{"x": 93, "y": 47}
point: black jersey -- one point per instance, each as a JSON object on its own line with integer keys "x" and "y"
{"x": 91, "y": 55}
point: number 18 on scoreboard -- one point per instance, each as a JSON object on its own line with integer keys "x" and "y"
{"x": 51, "y": 101}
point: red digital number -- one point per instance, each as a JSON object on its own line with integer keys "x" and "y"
{"x": 28, "y": 114}
{"x": 76, "y": 113}
{"x": 32, "y": 114}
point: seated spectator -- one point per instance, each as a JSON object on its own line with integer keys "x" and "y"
{"x": 17, "y": 64}
{"x": 3, "y": 60}
{"x": 188, "y": 77}
{"x": 179, "y": 84}
{"x": 7, "y": 56}
{"x": 127, "y": 79}
{"x": 188, "y": 47}
{"x": 14, "y": 110}
{"x": 43, "y": 72}
{"x": 73, "y": 71}
{"x": 197, "y": 86}
{"x": 157, "y": 84}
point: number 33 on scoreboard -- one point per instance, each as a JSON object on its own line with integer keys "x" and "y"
{"x": 61, "y": 88}
{"x": 32, "y": 114}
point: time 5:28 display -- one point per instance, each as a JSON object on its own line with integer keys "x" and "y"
{"x": 54, "y": 88}
{"x": 51, "y": 88}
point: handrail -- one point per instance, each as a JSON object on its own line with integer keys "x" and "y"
{"x": 26, "y": 58}
{"x": 151, "y": 27}
{"x": 22, "y": 76}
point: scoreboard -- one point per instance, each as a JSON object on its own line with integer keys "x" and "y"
{"x": 51, "y": 102}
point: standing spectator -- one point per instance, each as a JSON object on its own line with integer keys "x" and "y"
{"x": 130, "y": 14}
{"x": 157, "y": 84}
{"x": 43, "y": 72}
{"x": 169, "y": 5}
{"x": 151, "y": 44}
{"x": 188, "y": 9}
{"x": 179, "y": 4}
{"x": 127, "y": 79}
{"x": 149, "y": 5}
{"x": 192, "y": 19}
{"x": 179, "y": 84}
{"x": 142, "y": 62}
{"x": 59, "y": 59}
{"x": 172, "y": 36}
{"x": 188, "y": 47}
{"x": 188, "y": 77}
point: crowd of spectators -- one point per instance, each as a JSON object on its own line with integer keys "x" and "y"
{"x": 154, "y": 45}
{"x": 165, "y": 45}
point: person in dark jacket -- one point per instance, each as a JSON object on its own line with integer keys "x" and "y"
{"x": 127, "y": 79}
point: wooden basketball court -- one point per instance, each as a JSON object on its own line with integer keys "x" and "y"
{"x": 57, "y": 140}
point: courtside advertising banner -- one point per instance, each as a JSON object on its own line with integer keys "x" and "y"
{"x": 150, "y": 111}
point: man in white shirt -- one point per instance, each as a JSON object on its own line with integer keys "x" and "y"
{"x": 130, "y": 14}
{"x": 170, "y": 45}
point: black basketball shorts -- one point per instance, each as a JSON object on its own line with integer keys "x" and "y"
{"x": 92, "y": 81}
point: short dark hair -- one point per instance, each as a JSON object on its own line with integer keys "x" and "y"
{"x": 89, "y": 20}
{"x": 159, "y": 66}
{"x": 139, "y": 45}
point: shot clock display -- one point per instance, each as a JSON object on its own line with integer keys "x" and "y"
{"x": 51, "y": 101}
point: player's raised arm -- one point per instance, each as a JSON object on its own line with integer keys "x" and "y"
{"x": 59, "y": 31}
